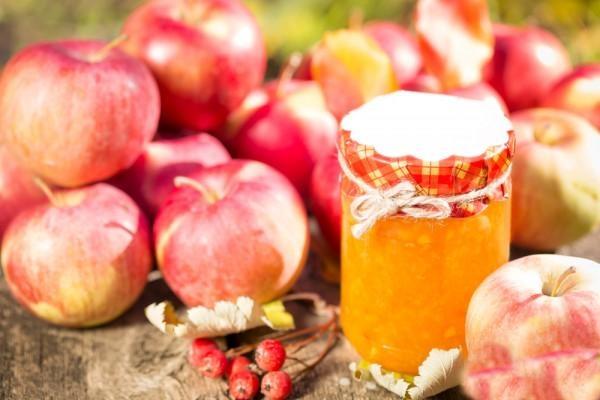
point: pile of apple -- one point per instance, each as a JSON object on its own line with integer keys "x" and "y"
{"x": 115, "y": 155}
{"x": 89, "y": 200}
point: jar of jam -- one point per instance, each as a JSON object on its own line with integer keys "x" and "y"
{"x": 426, "y": 217}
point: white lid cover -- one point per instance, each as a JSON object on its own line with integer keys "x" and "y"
{"x": 427, "y": 126}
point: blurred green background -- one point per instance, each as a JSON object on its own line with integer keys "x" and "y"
{"x": 289, "y": 25}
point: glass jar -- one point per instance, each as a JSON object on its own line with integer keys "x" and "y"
{"x": 409, "y": 272}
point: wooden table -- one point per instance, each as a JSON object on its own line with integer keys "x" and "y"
{"x": 130, "y": 359}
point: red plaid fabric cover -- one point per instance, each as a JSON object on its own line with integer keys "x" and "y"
{"x": 451, "y": 176}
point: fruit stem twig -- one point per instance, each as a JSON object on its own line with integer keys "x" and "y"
{"x": 103, "y": 52}
{"x": 288, "y": 71}
{"x": 332, "y": 339}
{"x": 181, "y": 181}
{"x": 52, "y": 198}
{"x": 556, "y": 290}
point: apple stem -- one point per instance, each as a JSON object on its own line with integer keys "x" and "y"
{"x": 556, "y": 290}
{"x": 356, "y": 19}
{"x": 103, "y": 52}
{"x": 52, "y": 198}
{"x": 288, "y": 71}
{"x": 183, "y": 181}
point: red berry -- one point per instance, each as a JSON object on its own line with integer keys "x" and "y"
{"x": 276, "y": 385}
{"x": 213, "y": 364}
{"x": 270, "y": 355}
{"x": 238, "y": 364}
{"x": 243, "y": 385}
{"x": 199, "y": 348}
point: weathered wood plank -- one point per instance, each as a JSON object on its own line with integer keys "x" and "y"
{"x": 129, "y": 359}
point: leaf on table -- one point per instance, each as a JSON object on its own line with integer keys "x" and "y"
{"x": 276, "y": 316}
{"x": 164, "y": 317}
{"x": 456, "y": 39}
{"x": 441, "y": 370}
{"x": 389, "y": 380}
{"x": 224, "y": 318}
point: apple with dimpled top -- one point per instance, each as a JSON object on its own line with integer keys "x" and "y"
{"x": 533, "y": 327}
{"x": 525, "y": 65}
{"x": 77, "y": 111}
{"x": 206, "y": 56}
{"x": 80, "y": 260}
{"x": 556, "y": 178}
{"x": 236, "y": 229}
{"x": 150, "y": 179}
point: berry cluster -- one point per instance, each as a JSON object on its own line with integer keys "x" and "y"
{"x": 245, "y": 378}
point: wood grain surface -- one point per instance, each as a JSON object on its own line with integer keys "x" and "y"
{"x": 130, "y": 359}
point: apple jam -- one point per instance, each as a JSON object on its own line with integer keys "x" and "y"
{"x": 412, "y": 258}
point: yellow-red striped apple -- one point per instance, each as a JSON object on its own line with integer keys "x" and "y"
{"x": 150, "y": 179}
{"x": 556, "y": 178}
{"x": 236, "y": 229}
{"x": 206, "y": 56}
{"x": 579, "y": 92}
{"x": 79, "y": 260}
{"x": 531, "y": 327}
{"x": 17, "y": 189}
{"x": 77, "y": 111}
{"x": 287, "y": 126}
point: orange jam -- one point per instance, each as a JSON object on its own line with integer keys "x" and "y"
{"x": 406, "y": 283}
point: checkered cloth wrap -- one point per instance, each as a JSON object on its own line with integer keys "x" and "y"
{"x": 448, "y": 177}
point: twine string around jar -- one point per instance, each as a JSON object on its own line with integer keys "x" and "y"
{"x": 375, "y": 204}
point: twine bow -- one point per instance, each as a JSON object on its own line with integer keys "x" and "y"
{"x": 375, "y": 204}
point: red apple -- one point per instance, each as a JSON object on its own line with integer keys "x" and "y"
{"x": 236, "y": 229}
{"x": 400, "y": 45}
{"x": 480, "y": 91}
{"x": 541, "y": 306}
{"x": 150, "y": 179}
{"x": 206, "y": 56}
{"x": 17, "y": 189}
{"x": 525, "y": 65}
{"x": 572, "y": 375}
{"x": 76, "y": 112}
{"x": 578, "y": 92}
{"x": 556, "y": 179}
{"x": 287, "y": 126}
{"x": 80, "y": 260}
{"x": 325, "y": 195}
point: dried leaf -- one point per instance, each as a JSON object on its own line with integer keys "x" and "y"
{"x": 440, "y": 371}
{"x": 224, "y": 318}
{"x": 276, "y": 316}
{"x": 456, "y": 39}
{"x": 389, "y": 380}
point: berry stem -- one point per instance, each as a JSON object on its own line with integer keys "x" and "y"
{"x": 103, "y": 52}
